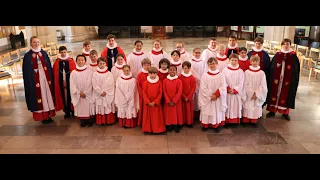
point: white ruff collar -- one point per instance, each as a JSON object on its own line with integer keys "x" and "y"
{"x": 81, "y": 68}
{"x": 196, "y": 59}
{"x": 164, "y": 71}
{"x": 102, "y": 70}
{"x": 221, "y": 57}
{"x": 114, "y": 46}
{"x": 214, "y": 50}
{"x": 172, "y": 78}
{"x": 254, "y": 68}
{"x": 175, "y": 62}
{"x": 85, "y": 52}
{"x": 232, "y": 67}
{"x": 144, "y": 71}
{"x": 153, "y": 80}
{"x": 63, "y": 58}
{"x": 126, "y": 77}
{"x": 243, "y": 59}
{"x": 186, "y": 75}
{"x": 213, "y": 71}
{"x": 257, "y": 50}
{"x": 284, "y": 51}
{"x": 136, "y": 52}
{"x": 118, "y": 65}
{"x": 157, "y": 50}
{"x": 36, "y": 50}
{"x": 230, "y": 47}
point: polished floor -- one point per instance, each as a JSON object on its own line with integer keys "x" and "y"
{"x": 19, "y": 134}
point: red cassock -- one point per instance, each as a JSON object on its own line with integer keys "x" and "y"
{"x": 188, "y": 89}
{"x": 244, "y": 65}
{"x": 162, "y": 76}
{"x": 153, "y": 120}
{"x": 141, "y": 78}
{"x": 57, "y": 93}
{"x": 172, "y": 91}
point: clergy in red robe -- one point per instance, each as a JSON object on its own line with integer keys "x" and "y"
{"x": 62, "y": 68}
{"x": 244, "y": 61}
{"x": 38, "y": 82}
{"x": 232, "y": 46}
{"x": 163, "y": 69}
{"x": 283, "y": 81}
{"x": 172, "y": 91}
{"x": 141, "y": 78}
{"x": 111, "y": 51}
{"x": 153, "y": 120}
{"x": 188, "y": 88}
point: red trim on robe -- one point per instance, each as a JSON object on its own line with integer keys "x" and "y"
{"x": 247, "y": 120}
{"x": 79, "y": 70}
{"x": 182, "y": 53}
{"x": 93, "y": 65}
{"x": 233, "y": 69}
{"x": 212, "y": 125}
{"x": 118, "y": 68}
{"x": 260, "y": 54}
{"x": 125, "y": 78}
{"x": 40, "y": 116}
{"x": 103, "y": 71}
{"x": 156, "y": 53}
{"x": 212, "y": 73}
{"x": 217, "y": 93}
{"x": 138, "y": 54}
{"x": 274, "y": 109}
{"x": 235, "y": 91}
{"x": 82, "y": 118}
{"x": 131, "y": 123}
{"x": 254, "y": 70}
{"x": 221, "y": 59}
{"x": 176, "y": 64}
{"x": 233, "y": 120}
{"x": 196, "y": 60}
{"x": 105, "y": 118}
{"x": 85, "y": 54}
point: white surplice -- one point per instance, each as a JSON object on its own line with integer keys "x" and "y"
{"x": 116, "y": 71}
{"x": 197, "y": 69}
{"x": 134, "y": 61}
{"x": 208, "y": 53}
{"x": 155, "y": 58}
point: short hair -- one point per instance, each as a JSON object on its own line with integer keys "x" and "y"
{"x": 156, "y": 40}
{"x": 233, "y": 37}
{"x": 118, "y": 55}
{"x": 285, "y": 40}
{"x": 255, "y": 58}
{"x": 86, "y": 42}
{"x": 33, "y": 37}
{"x": 61, "y": 48}
{"x": 175, "y": 51}
{"x": 213, "y": 39}
{"x": 234, "y": 55}
{"x": 171, "y": 65}
{"x": 194, "y": 49}
{"x": 80, "y": 55}
{"x": 243, "y": 49}
{"x": 186, "y": 63}
{"x": 153, "y": 70}
{"x": 93, "y": 52}
{"x": 145, "y": 61}
{"x": 110, "y": 36}
{"x": 180, "y": 42}
{"x": 102, "y": 59}
{"x": 164, "y": 60}
{"x": 258, "y": 39}
{"x": 126, "y": 66}
{"x": 138, "y": 41}
{"x": 212, "y": 60}
{"x": 222, "y": 46}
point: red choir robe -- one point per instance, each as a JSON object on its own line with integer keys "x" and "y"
{"x": 283, "y": 82}
{"x": 109, "y": 53}
{"x": 141, "y": 78}
{"x": 155, "y": 55}
{"x": 62, "y": 69}
{"x": 116, "y": 71}
{"x": 244, "y": 63}
{"x": 172, "y": 91}
{"x": 163, "y": 74}
{"x": 230, "y": 50}
{"x": 87, "y": 55}
{"x": 134, "y": 61}
{"x": 188, "y": 88}
{"x": 153, "y": 120}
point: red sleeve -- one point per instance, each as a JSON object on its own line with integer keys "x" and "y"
{"x": 177, "y": 97}
{"x": 184, "y": 96}
{"x": 58, "y": 100}
{"x": 248, "y": 64}
{"x": 120, "y": 51}
{"x": 235, "y": 91}
{"x": 228, "y": 88}
{"x": 227, "y": 49}
{"x": 139, "y": 85}
{"x": 104, "y": 53}
{"x": 146, "y": 99}
{"x": 193, "y": 87}
{"x": 72, "y": 64}
{"x": 166, "y": 97}
{"x": 217, "y": 93}
{"x": 157, "y": 101}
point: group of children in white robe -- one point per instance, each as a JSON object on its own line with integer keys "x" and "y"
{"x": 224, "y": 93}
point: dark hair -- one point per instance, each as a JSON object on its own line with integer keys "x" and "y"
{"x": 171, "y": 65}
{"x": 122, "y": 55}
{"x": 175, "y": 51}
{"x": 233, "y": 37}
{"x": 126, "y": 65}
{"x": 243, "y": 49}
{"x": 285, "y": 40}
{"x": 61, "y": 48}
{"x": 164, "y": 60}
{"x": 111, "y": 36}
{"x": 153, "y": 70}
{"x": 138, "y": 41}
{"x": 233, "y": 55}
{"x": 213, "y": 39}
{"x": 92, "y": 52}
{"x": 258, "y": 39}
{"x": 212, "y": 59}
{"x": 80, "y": 55}
{"x": 186, "y": 63}
{"x": 102, "y": 59}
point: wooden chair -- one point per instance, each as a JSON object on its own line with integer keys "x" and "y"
{"x": 304, "y": 51}
{"x": 6, "y": 75}
{"x": 22, "y": 52}
{"x": 274, "y": 43}
{"x": 6, "y": 62}
{"x": 315, "y": 66}
{"x": 314, "y": 55}
{"x": 249, "y": 44}
{"x": 294, "y": 47}
{"x": 15, "y": 56}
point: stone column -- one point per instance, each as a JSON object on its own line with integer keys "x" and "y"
{"x": 278, "y": 33}
{"x": 77, "y": 33}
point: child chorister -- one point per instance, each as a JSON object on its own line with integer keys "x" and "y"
{"x": 222, "y": 58}
{"x": 94, "y": 60}
{"x": 235, "y": 80}
{"x": 86, "y": 50}
{"x": 134, "y": 59}
{"x": 232, "y": 46}
{"x": 211, "y": 51}
{"x": 176, "y": 61}
{"x": 212, "y": 97}
{"x": 157, "y": 53}
{"x": 103, "y": 93}
{"x": 153, "y": 120}
{"x": 184, "y": 56}
{"x": 116, "y": 70}
{"x": 172, "y": 91}
{"x": 244, "y": 62}
{"x": 141, "y": 78}
{"x": 188, "y": 89}
{"x": 125, "y": 99}
{"x": 163, "y": 69}
{"x": 256, "y": 90}
{"x": 81, "y": 91}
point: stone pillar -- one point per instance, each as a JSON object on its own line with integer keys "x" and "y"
{"x": 77, "y": 33}
{"x": 278, "y": 33}
{"x": 93, "y": 32}
{"x": 46, "y": 34}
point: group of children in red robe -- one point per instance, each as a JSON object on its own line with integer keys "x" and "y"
{"x": 218, "y": 86}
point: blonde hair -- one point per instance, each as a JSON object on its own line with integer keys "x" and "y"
{"x": 180, "y": 42}
{"x": 222, "y": 46}
{"x": 194, "y": 49}
{"x": 146, "y": 61}
{"x": 86, "y": 42}
{"x": 255, "y": 58}
{"x": 156, "y": 40}
{"x": 33, "y": 37}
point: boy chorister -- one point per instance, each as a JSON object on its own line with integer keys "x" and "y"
{"x": 135, "y": 58}
{"x": 235, "y": 80}
{"x": 188, "y": 89}
{"x": 223, "y": 59}
{"x": 86, "y": 48}
{"x": 256, "y": 90}
{"x": 81, "y": 91}
{"x": 211, "y": 51}
{"x": 244, "y": 61}
{"x": 125, "y": 98}
{"x": 176, "y": 61}
{"x": 212, "y": 97}
{"x": 94, "y": 60}
{"x": 103, "y": 93}
{"x": 163, "y": 69}
{"x": 157, "y": 53}
{"x": 232, "y": 46}
{"x": 172, "y": 91}
{"x": 153, "y": 120}
{"x": 184, "y": 56}
{"x": 116, "y": 70}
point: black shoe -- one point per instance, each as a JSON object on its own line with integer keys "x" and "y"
{"x": 204, "y": 129}
{"x": 146, "y": 133}
{"x": 45, "y": 122}
{"x": 72, "y": 113}
{"x": 218, "y": 129}
{"x": 89, "y": 124}
{"x": 67, "y": 115}
{"x": 83, "y": 123}
{"x": 169, "y": 128}
{"x": 286, "y": 117}
{"x": 102, "y": 125}
{"x": 255, "y": 125}
{"x": 50, "y": 120}
{"x": 177, "y": 129}
{"x": 271, "y": 114}
{"x": 190, "y": 126}
{"x": 244, "y": 124}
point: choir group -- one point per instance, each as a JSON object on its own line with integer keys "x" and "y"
{"x": 159, "y": 92}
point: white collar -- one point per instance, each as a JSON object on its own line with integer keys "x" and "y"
{"x": 81, "y": 68}
{"x": 230, "y": 66}
{"x": 144, "y": 71}
{"x": 157, "y": 50}
{"x": 214, "y": 50}
{"x": 118, "y": 65}
{"x": 186, "y": 75}
{"x": 164, "y": 71}
{"x": 214, "y": 71}
{"x": 254, "y": 68}
{"x": 85, "y": 52}
{"x": 182, "y": 51}
{"x": 136, "y": 52}
{"x": 257, "y": 50}
{"x": 196, "y": 59}
{"x": 230, "y": 47}
{"x": 175, "y": 63}
{"x": 172, "y": 78}
{"x": 114, "y": 46}
{"x": 63, "y": 58}
{"x": 126, "y": 77}
{"x": 221, "y": 57}
{"x": 102, "y": 70}
{"x": 289, "y": 51}
{"x": 36, "y": 50}
{"x": 94, "y": 64}
{"x": 243, "y": 59}
{"x": 153, "y": 80}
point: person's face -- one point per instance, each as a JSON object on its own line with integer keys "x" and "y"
{"x": 111, "y": 42}
{"x": 243, "y": 53}
{"x": 179, "y": 47}
{"x": 102, "y": 64}
{"x": 156, "y": 45}
{"x": 87, "y": 48}
{"x": 258, "y": 45}
{"x": 35, "y": 43}
{"x": 126, "y": 71}
{"x": 63, "y": 53}
{"x": 172, "y": 71}
{"x": 234, "y": 61}
{"x": 232, "y": 41}
{"x": 197, "y": 53}
{"x": 80, "y": 61}
{"x": 286, "y": 46}
{"x": 146, "y": 66}
{"x": 213, "y": 43}
{"x": 164, "y": 66}
{"x": 138, "y": 47}
{"x": 152, "y": 75}
{"x": 186, "y": 70}
{"x": 254, "y": 63}
{"x": 175, "y": 57}
{"x": 120, "y": 60}
{"x": 93, "y": 58}
{"x": 212, "y": 66}
{"x": 222, "y": 52}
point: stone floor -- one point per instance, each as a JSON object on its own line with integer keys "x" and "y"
{"x": 19, "y": 134}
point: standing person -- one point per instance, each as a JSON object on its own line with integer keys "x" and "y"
{"x": 135, "y": 58}
{"x": 264, "y": 56}
{"x": 232, "y": 46}
{"x": 188, "y": 89}
{"x": 211, "y": 51}
{"x": 62, "y": 68}
{"x": 184, "y": 55}
{"x": 157, "y": 53}
{"x": 116, "y": 70}
{"x": 244, "y": 61}
{"x": 94, "y": 60}
{"x": 38, "y": 82}
{"x": 176, "y": 61}
{"x": 223, "y": 59}
{"x": 81, "y": 91}
{"x": 111, "y": 51}
{"x": 255, "y": 86}
{"x": 163, "y": 69}
{"x": 86, "y": 48}
{"x": 283, "y": 81}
